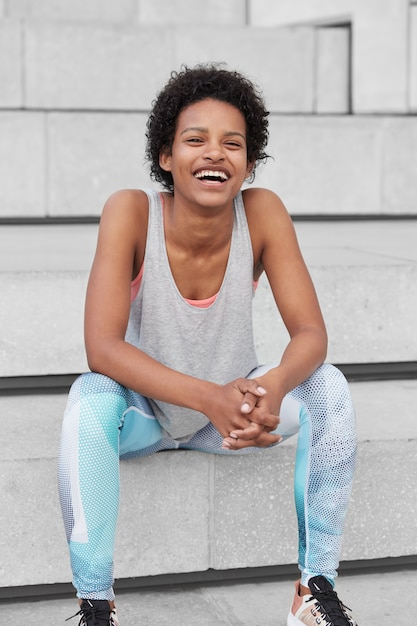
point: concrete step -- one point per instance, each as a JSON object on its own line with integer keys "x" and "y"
{"x": 251, "y": 603}
{"x": 365, "y": 275}
{"x": 217, "y": 505}
{"x": 66, "y": 163}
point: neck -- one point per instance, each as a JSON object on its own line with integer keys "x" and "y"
{"x": 197, "y": 228}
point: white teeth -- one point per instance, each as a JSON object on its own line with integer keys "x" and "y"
{"x": 212, "y": 174}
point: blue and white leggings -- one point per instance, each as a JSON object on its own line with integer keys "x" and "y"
{"x": 104, "y": 421}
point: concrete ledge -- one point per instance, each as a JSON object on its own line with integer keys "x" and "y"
{"x": 379, "y": 54}
{"x": 67, "y": 163}
{"x": 131, "y": 11}
{"x": 364, "y": 272}
{"x": 347, "y": 164}
{"x": 93, "y": 65}
{"x": 23, "y": 163}
{"x": 187, "y": 511}
{"x": 10, "y": 63}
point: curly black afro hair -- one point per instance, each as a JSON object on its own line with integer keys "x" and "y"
{"x": 193, "y": 85}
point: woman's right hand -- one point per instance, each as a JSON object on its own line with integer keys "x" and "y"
{"x": 240, "y": 411}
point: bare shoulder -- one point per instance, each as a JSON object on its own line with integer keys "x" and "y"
{"x": 263, "y": 200}
{"x": 123, "y": 230}
{"x": 266, "y": 213}
{"x": 126, "y": 204}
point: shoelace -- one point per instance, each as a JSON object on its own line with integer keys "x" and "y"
{"x": 332, "y": 608}
{"x": 93, "y": 612}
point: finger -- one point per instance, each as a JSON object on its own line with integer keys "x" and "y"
{"x": 269, "y": 421}
{"x": 252, "y": 392}
{"x": 253, "y": 431}
{"x": 251, "y": 398}
{"x": 264, "y": 441}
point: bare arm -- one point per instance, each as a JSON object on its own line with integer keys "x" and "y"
{"x": 276, "y": 247}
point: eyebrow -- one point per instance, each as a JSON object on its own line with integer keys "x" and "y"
{"x": 202, "y": 129}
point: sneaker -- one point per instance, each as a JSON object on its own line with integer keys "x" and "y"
{"x": 96, "y": 613}
{"x": 322, "y": 607}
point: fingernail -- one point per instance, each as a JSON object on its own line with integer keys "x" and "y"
{"x": 245, "y": 408}
{"x": 261, "y": 390}
{"x": 233, "y": 436}
{"x": 226, "y": 445}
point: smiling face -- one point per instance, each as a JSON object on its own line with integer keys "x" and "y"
{"x": 208, "y": 157}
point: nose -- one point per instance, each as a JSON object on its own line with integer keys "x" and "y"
{"x": 214, "y": 152}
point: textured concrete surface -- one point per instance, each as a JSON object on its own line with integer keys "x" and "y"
{"x": 362, "y": 164}
{"x": 379, "y": 54}
{"x": 187, "y": 511}
{"x": 121, "y": 11}
{"x": 143, "y": 12}
{"x": 10, "y": 63}
{"x": 66, "y": 163}
{"x": 83, "y": 149}
{"x": 364, "y": 272}
{"x": 22, "y": 163}
{"x": 375, "y": 599}
{"x": 413, "y": 58}
{"x": 124, "y": 73}
{"x": 333, "y": 58}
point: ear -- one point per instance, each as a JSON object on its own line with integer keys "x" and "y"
{"x": 249, "y": 169}
{"x": 165, "y": 159}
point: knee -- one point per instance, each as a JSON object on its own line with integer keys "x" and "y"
{"x": 327, "y": 392}
{"x": 330, "y": 383}
{"x": 91, "y": 383}
{"x": 95, "y": 396}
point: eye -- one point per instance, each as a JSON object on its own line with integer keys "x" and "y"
{"x": 233, "y": 144}
{"x": 194, "y": 140}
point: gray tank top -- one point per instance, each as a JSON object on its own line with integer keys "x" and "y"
{"x": 214, "y": 343}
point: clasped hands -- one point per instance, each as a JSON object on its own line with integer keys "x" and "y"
{"x": 244, "y": 416}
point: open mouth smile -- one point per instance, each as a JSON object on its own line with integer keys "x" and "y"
{"x": 216, "y": 176}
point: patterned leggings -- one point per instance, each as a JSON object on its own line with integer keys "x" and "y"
{"x": 104, "y": 421}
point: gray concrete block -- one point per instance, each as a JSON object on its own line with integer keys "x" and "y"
{"x": 32, "y": 539}
{"x": 286, "y": 74}
{"x": 10, "y": 63}
{"x": 34, "y": 423}
{"x": 357, "y": 320}
{"x": 336, "y": 158}
{"x": 254, "y": 518}
{"x": 348, "y": 165}
{"x": 361, "y": 164}
{"x": 95, "y": 66}
{"x": 365, "y": 276}
{"x": 366, "y": 284}
{"x": 164, "y": 522}
{"x": 413, "y": 58}
{"x": 42, "y": 333}
{"x": 385, "y": 410}
{"x": 22, "y": 164}
{"x": 215, "y": 12}
{"x": 333, "y": 70}
{"x": 44, "y": 274}
{"x": 250, "y": 602}
{"x": 187, "y": 511}
{"x": 380, "y": 66}
{"x": 381, "y": 520}
{"x": 91, "y": 155}
{"x": 162, "y": 528}
{"x": 398, "y": 159}
{"x": 98, "y": 66}
{"x": 121, "y": 11}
